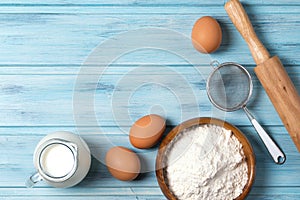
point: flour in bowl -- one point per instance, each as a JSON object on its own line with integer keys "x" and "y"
{"x": 206, "y": 162}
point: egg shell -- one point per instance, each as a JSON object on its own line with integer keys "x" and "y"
{"x": 147, "y": 131}
{"x": 206, "y": 35}
{"x": 122, "y": 163}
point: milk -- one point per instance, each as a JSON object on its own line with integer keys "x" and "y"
{"x": 57, "y": 160}
{"x": 62, "y": 159}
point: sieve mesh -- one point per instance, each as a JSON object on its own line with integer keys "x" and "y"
{"x": 229, "y": 86}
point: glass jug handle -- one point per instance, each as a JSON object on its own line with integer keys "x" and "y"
{"x": 33, "y": 179}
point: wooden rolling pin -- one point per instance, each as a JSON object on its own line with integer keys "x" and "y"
{"x": 270, "y": 73}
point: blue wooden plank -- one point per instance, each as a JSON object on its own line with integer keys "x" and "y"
{"x": 80, "y": 33}
{"x": 132, "y": 191}
{"x": 48, "y": 99}
{"x": 17, "y": 145}
{"x": 86, "y": 197}
{"x": 121, "y": 69}
{"x": 217, "y": 10}
{"x": 113, "y": 193}
{"x": 256, "y": 193}
{"x": 142, "y": 2}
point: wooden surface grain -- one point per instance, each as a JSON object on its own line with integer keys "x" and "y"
{"x": 44, "y": 43}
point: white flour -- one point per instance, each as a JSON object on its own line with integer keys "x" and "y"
{"x": 206, "y": 162}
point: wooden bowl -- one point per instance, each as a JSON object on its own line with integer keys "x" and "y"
{"x": 248, "y": 151}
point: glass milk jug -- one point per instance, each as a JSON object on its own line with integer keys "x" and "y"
{"x": 62, "y": 159}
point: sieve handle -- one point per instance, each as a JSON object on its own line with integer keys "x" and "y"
{"x": 277, "y": 155}
{"x": 242, "y": 23}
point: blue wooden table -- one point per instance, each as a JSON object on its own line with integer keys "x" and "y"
{"x": 44, "y": 44}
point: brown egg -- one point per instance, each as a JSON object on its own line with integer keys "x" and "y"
{"x": 147, "y": 131}
{"x": 122, "y": 163}
{"x": 206, "y": 35}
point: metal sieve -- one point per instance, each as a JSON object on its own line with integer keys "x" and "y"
{"x": 229, "y": 88}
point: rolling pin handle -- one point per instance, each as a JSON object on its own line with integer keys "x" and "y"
{"x": 240, "y": 19}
